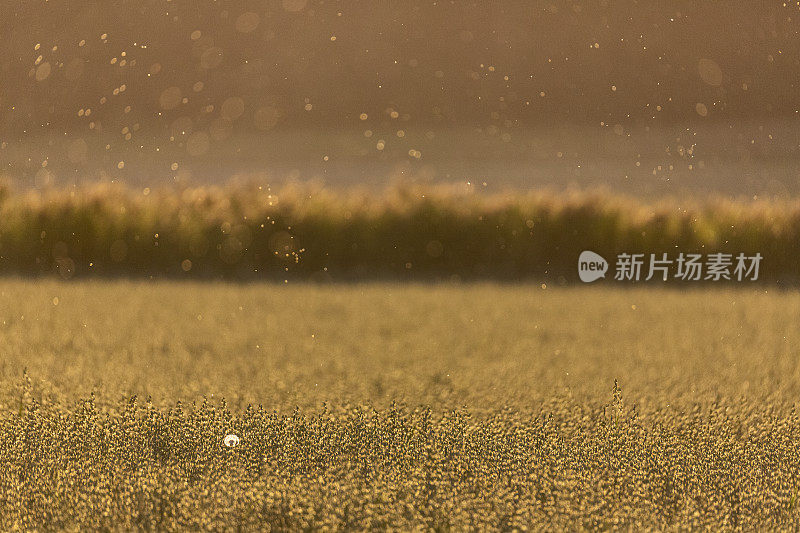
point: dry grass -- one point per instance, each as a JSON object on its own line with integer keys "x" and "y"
{"x": 396, "y": 407}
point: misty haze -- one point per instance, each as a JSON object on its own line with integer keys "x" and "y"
{"x": 644, "y": 98}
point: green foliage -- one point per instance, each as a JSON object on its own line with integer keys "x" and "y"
{"x": 249, "y": 232}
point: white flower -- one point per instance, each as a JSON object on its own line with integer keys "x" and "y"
{"x": 231, "y": 440}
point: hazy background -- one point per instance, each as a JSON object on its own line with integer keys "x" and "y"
{"x": 677, "y": 97}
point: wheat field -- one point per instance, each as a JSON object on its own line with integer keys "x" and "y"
{"x": 392, "y": 406}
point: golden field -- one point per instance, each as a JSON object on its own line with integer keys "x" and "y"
{"x": 396, "y": 406}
